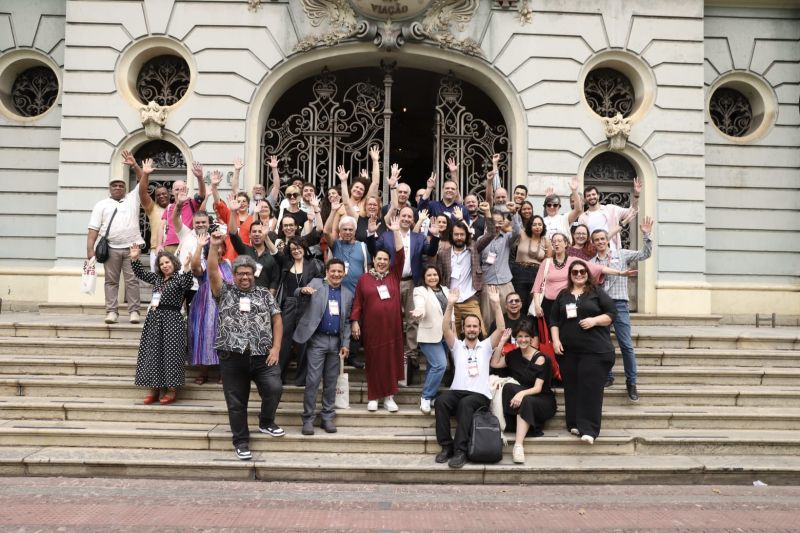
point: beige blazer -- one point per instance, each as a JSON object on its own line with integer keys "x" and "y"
{"x": 430, "y": 325}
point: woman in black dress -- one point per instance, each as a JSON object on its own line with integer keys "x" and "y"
{"x": 530, "y": 404}
{"x": 162, "y": 347}
{"x": 579, "y": 322}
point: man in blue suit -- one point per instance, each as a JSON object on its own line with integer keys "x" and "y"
{"x": 416, "y": 247}
{"x": 324, "y": 327}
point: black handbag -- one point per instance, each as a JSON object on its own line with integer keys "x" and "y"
{"x": 101, "y": 250}
{"x": 485, "y": 443}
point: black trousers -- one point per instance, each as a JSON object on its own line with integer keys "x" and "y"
{"x": 584, "y": 376}
{"x": 461, "y": 404}
{"x": 237, "y": 370}
{"x": 290, "y": 313}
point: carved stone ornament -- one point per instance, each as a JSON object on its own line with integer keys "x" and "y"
{"x": 154, "y": 117}
{"x": 618, "y": 129}
{"x": 523, "y": 8}
{"x": 389, "y": 24}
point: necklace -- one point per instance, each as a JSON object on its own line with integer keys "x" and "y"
{"x": 559, "y": 265}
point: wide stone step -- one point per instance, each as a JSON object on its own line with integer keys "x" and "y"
{"x": 388, "y": 439}
{"x": 396, "y": 468}
{"x": 634, "y": 416}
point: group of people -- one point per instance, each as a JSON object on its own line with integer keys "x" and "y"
{"x": 321, "y": 277}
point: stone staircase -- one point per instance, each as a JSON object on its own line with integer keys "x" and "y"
{"x": 719, "y": 404}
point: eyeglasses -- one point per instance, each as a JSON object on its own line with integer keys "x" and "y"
{"x": 578, "y": 272}
{"x": 292, "y": 195}
{"x": 244, "y": 275}
{"x": 514, "y": 302}
{"x": 552, "y": 205}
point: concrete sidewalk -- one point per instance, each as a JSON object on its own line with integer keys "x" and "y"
{"x": 64, "y": 504}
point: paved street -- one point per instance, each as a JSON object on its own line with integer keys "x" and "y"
{"x": 62, "y": 504}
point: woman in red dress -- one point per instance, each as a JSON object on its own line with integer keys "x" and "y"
{"x": 377, "y": 318}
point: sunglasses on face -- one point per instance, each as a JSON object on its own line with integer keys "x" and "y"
{"x": 293, "y": 195}
{"x": 552, "y": 205}
{"x": 579, "y": 272}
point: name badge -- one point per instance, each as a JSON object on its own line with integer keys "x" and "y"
{"x": 333, "y": 307}
{"x": 259, "y": 268}
{"x": 155, "y": 299}
{"x": 383, "y": 292}
{"x": 491, "y": 257}
{"x": 572, "y": 311}
{"x": 472, "y": 367}
{"x": 244, "y": 304}
{"x": 346, "y": 267}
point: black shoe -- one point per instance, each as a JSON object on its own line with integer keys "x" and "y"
{"x": 272, "y": 429}
{"x": 537, "y": 433}
{"x": 633, "y": 394}
{"x": 352, "y": 362}
{"x": 444, "y": 455}
{"x": 609, "y": 381}
{"x": 458, "y": 460}
{"x": 328, "y": 426}
{"x": 308, "y": 428}
{"x": 243, "y": 452}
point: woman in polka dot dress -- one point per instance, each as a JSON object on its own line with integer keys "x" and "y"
{"x": 162, "y": 348}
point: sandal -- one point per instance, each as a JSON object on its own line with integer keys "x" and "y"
{"x": 152, "y": 397}
{"x": 169, "y": 397}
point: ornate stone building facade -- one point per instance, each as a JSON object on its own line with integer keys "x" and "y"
{"x": 699, "y": 99}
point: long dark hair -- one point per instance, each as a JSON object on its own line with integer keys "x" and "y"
{"x": 447, "y": 233}
{"x": 176, "y": 265}
{"x": 529, "y": 227}
{"x": 590, "y": 284}
{"x": 526, "y": 202}
{"x": 425, "y": 273}
{"x": 325, "y": 204}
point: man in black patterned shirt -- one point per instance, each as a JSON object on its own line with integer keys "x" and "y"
{"x": 249, "y": 333}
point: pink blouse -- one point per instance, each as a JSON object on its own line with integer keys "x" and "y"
{"x": 557, "y": 277}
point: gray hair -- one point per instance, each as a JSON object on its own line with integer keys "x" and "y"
{"x": 347, "y": 219}
{"x": 243, "y": 261}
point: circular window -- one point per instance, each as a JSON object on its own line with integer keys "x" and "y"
{"x": 163, "y": 79}
{"x": 609, "y": 92}
{"x": 741, "y": 106}
{"x": 616, "y": 82}
{"x": 29, "y": 85}
{"x": 34, "y": 91}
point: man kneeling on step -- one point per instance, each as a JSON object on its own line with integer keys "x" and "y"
{"x": 470, "y": 389}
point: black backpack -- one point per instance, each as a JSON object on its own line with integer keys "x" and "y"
{"x": 485, "y": 443}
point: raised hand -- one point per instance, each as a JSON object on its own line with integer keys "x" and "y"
{"x": 181, "y": 198}
{"x": 494, "y": 294}
{"x": 505, "y": 336}
{"x": 490, "y": 175}
{"x": 495, "y": 159}
{"x": 573, "y": 183}
{"x": 135, "y": 251}
{"x": 452, "y": 296}
{"x": 232, "y": 202}
{"x": 147, "y": 166}
{"x": 432, "y": 180}
{"x": 637, "y": 186}
{"x": 486, "y": 208}
{"x": 424, "y": 214}
{"x": 237, "y": 164}
{"x": 342, "y": 174}
{"x": 273, "y": 161}
{"x": 335, "y": 206}
{"x": 549, "y": 191}
{"x": 452, "y": 164}
{"x": 187, "y": 262}
{"x": 632, "y": 212}
{"x": 372, "y": 224}
{"x": 314, "y": 203}
{"x": 216, "y": 178}
{"x": 458, "y": 213}
{"x": 128, "y": 158}
{"x": 197, "y": 170}
{"x": 647, "y": 225}
{"x": 374, "y": 152}
{"x": 512, "y": 207}
{"x": 217, "y": 238}
{"x": 363, "y": 174}
{"x": 395, "y": 175}
{"x": 394, "y": 224}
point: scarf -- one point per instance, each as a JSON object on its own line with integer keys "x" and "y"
{"x": 377, "y": 275}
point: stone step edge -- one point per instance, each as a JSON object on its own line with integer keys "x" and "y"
{"x": 398, "y": 468}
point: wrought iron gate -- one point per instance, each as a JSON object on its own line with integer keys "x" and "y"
{"x": 338, "y": 124}
{"x": 613, "y": 175}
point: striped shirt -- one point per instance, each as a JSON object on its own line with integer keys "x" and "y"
{"x": 617, "y": 286}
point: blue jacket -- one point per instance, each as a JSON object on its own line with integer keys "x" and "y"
{"x": 419, "y": 247}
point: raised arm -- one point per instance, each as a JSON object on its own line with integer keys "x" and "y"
{"x": 343, "y": 176}
{"x": 498, "y": 361}
{"x": 197, "y": 170}
{"x": 637, "y": 191}
{"x": 374, "y": 184}
{"x": 177, "y": 223}
{"x": 392, "y": 181}
{"x": 447, "y": 330}
{"x": 143, "y": 175}
{"x": 275, "y": 191}
{"x": 237, "y": 170}
{"x": 576, "y": 200}
{"x": 197, "y": 263}
{"x": 429, "y": 186}
{"x": 214, "y": 276}
{"x": 216, "y": 179}
{"x": 488, "y": 194}
{"x": 452, "y": 169}
{"x": 500, "y": 321}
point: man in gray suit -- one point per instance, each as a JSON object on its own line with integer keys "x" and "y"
{"x": 324, "y": 327}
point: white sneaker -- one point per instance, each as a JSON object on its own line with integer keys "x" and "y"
{"x": 372, "y": 405}
{"x": 390, "y": 405}
{"x": 135, "y": 318}
{"x": 588, "y": 439}
{"x": 575, "y": 432}
{"x": 425, "y": 406}
{"x": 402, "y": 383}
{"x": 519, "y": 454}
{"x": 111, "y": 317}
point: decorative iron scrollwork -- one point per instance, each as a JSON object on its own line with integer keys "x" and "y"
{"x": 34, "y": 91}
{"x": 470, "y": 140}
{"x": 612, "y": 169}
{"x": 609, "y": 92}
{"x": 165, "y": 155}
{"x": 331, "y": 130}
{"x": 164, "y": 80}
{"x": 731, "y": 112}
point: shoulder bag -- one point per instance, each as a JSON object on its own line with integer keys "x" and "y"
{"x": 101, "y": 249}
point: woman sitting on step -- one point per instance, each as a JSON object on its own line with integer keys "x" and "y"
{"x": 162, "y": 347}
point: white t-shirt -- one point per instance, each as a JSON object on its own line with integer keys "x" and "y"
{"x": 482, "y": 353}
{"x": 558, "y": 224}
{"x": 125, "y": 227}
{"x": 461, "y": 274}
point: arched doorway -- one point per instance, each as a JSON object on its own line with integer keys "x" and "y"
{"x": 418, "y": 118}
{"x": 613, "y": 175}
{"x": 170, "y": 166}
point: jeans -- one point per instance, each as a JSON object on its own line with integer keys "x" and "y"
{"x": 437, "y": 363}
{"x": 237, "y": 370}
{"x": 622, "y": 329}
